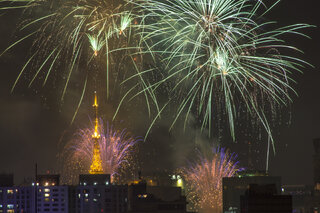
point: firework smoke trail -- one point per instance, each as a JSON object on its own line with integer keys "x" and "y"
{"x": 116, "y": 147}
{"x": 222, "y": 56}
{"x": 204, "y": 179}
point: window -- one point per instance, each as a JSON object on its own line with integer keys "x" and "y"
{"x": 10, "y": 206}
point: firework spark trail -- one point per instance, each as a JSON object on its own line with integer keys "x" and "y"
{"x": 116, "y": 149}
{"x": 221, "y": 56}
{"x": 204, "y": 179}
{"x": 71, "y": 40}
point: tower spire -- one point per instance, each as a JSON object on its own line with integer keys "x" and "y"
{"x": 96, "y": 134}
{"x": 96, "y": 165}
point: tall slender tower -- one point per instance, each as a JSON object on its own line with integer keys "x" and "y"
{"x": 96, "y": 165}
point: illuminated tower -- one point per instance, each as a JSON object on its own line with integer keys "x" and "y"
{"x": 96, "y": 165}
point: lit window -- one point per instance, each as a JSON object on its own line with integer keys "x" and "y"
{"x": 79, "y": 195}
{"x": 10, "y": 206}
{"x": 84, "y": 183}
{"x": 10, "y": 191}
{"x": 86, "y": 195}
{"x": 46, "y": 184}
{"x": 46, "y": 190}
{"x": 95, "y": 183}
{"x": 46, "y": 194}
{"x": 107, "y": 183}
{"x": 32, "y": 184}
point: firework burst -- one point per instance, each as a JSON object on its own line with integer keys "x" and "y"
{"x": 223, "y": 57}
{"x": 75, "y": 43}
{"x": 204, "y": 179}
{"x": 116, "y": 148}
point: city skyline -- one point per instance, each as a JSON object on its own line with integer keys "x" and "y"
{"x": 34, "y": 129}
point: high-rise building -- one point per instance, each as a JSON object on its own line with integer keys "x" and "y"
{"x": 265, "y": 199}
{"x": 234, "y": 187}
{"x": 17, "y": 199}
{"x": 95, "y": 193}
{"x": 50, "y": 196}
{"x": 301, "y": 194}
{"x": 164, "y": 199}
{"x": 52, "y": 199}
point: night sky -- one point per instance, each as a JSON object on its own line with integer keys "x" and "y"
{"x": 33, "y": 127}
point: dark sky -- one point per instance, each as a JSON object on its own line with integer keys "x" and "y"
{"x": 32, "y": 128}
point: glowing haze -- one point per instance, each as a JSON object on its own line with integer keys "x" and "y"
{"x": 116, "y": 149}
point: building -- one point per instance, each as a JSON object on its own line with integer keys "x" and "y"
{"x": 300, "y": 196}
{"x": 52, "y": 199}
{"x": 50, "y": 196}
{"x": 234, "y": 187}
{"x": 45, "y": 195}
{"x": 265, "y": 199}
{"x": 95, "y": 193}
{"x": 14, "y": 198}
{"x": 156, "y": 199}
{"x": 17, "y": 199}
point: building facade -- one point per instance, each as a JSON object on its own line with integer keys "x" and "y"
{"x": 234, "y": 187}
{"x": 265, "y": 199}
